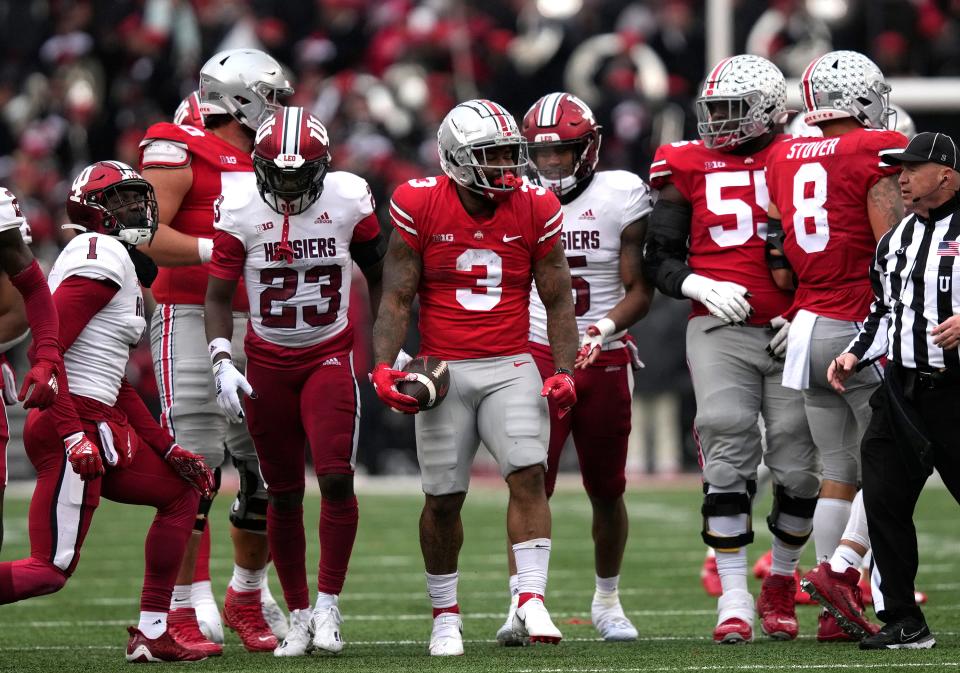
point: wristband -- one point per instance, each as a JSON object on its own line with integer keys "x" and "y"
{"x": 220, "y": 345}
{"x": 563, "y": 370}
{"x": 205, "y": 249}
{"x": 606, "y": 327}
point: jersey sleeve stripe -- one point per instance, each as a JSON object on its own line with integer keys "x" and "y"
{"x": 555, "y": 218}
{"x": 400, "y": 212}
{"x": 396, "y": 221}
{"x": 658, "y": 163}
{"x": 660, "y": 174}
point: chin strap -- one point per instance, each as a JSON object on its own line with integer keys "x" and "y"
{"x": 284, "y": 249}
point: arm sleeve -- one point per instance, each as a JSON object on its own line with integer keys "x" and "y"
{"x": 229, "y": 256}
{"x": 403, "y": 217}
{"x": 41, "y": 313}
{"x": 665, "y": 248}
{"x": 548, "y": 214}
{"x": 128, "y": 401}
{"x": 872, "y": 342}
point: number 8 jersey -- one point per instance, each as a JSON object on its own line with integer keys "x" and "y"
{"x": 477, "y": 272}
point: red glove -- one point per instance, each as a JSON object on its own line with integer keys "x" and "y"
{"x": 561, "y": 389}
{"x": 84, "y": 456}
{"x": 192, "y": 470}
{"x": 384, "y": 381}
{"x": 43, "y": 377}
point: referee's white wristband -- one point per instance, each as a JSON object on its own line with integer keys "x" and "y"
{"x": 220, "y": 345}
{"x": 205, "y": 249}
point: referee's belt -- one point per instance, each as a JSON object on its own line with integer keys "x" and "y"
{"x": 932, "y": 379}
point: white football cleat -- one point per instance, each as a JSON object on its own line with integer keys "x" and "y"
{"x": 273, "y": 615}
{"x": 533, "y": 621}
{"x": 608, "y": 618}
{"x": 735, "y": 613}
{"x": 506, "y": 636}
{"x": 326, "y": 629}
{"x": 208, "y": 614}
{"x": 446, "y": 639}
{"x": 299, "y": 639}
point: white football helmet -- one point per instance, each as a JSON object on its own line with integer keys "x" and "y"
{"x": 743, "y": 97}
{"x": 243, "y": 83}
{"x": 845, "y": 84}
{"x": 903, "y": 122}
{"x": 465, "y": 135}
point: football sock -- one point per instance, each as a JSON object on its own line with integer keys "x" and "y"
{"x": 513, "y": 586}
{"x": 201, "y": 570}
{"x": 265, "y": 593}
{"x": 288, "y": 548}
{"x": 845, "y": 557}
{"x": 786, "y": 556}
{"x": 247, "y": 580}
{"x": 338, "y": 530}
{"x": 442, "y": 590}
{"x": 152, "y": 624}
{"x": 181, "y": 597}
{"x": 607, "y": 585}
{"x": 731, "y": 565}
{"x": 533, "y": 560}
{"x": 856, "y": 530}
{"x": 29, "y": 577}
{"x": 829, "y": 520}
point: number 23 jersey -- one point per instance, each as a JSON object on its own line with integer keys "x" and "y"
{"x": 477, "y": 272}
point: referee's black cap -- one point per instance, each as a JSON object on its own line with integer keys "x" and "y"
{"x": 937, "y": 148}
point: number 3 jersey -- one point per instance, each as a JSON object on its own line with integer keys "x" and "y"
{"x": 298, "y": 309}
{"x": 593, "y": 224}
{"x": 820, "y": 187}
{"x": 477, "y": 272}
{"x": 728, "y": 228}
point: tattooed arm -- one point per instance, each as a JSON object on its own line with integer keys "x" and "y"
{"x": 401, "y": 278}
{"x": 552, "y": 276}
{"x": 884, "y": 205}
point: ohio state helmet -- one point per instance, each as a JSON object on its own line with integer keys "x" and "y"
{"x": 243, "y": 83}
{"x": 903, "y": 122}
{"x": 188, "y": 112}
{"x": 111, "y": 198}
{"x": 466, "y": 134}
{"x": 560, "y": 120}
{"x": 743, "y": 97}
{"x": 845, "y": 84}
{"x": 291, "y": 156}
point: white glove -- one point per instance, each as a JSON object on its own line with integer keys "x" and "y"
{"x": 229, "y": 381}
{"x": 777, "y": 347}
{"x": 634, "y": 352}
{"x": 726, "y": 301}
{"x": 9, "y": 383}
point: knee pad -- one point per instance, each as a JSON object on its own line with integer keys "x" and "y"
{"x": 203, "y": 509}
{"x": 249, "y": 508}
{"x": 786, "y": 504}
{"x": 722, "y": 475}
{"x": 803, "y": 485}
{"x": 727, "y": 504}
{"x": 285, "y": 501}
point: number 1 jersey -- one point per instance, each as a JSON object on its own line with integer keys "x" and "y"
{"x": 477, "y": 272}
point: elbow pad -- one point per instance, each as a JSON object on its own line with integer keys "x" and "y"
{"x": 368, "y": 253}
{"x": 665, "y": 249}
{"x": 776, "y": 258}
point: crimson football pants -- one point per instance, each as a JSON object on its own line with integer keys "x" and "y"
{"x": 318, "y": 404}
{"x": 600, "y": 424}
{"x": 62, "y": 508}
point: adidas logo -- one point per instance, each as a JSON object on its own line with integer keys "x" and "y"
{"x": 323, "y": 219}
{"x": 331, "y": 362}
{"x": 587, "y": 214}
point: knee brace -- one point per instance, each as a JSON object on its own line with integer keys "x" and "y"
{"x": 249, "y": 510}
{"x": 203, "y": 509}
{"x": 727, "y": 504}
{"x": 787, "y": 504}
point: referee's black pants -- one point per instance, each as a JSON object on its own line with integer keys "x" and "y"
{"x": 894, "y": 474}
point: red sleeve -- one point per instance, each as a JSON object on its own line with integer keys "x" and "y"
{"x": 661, "y": 172}
{"x": 228, "y": 257}
{"x": 41, "y": 313}
{"x": 366, "y": 229}
{"x": 548, "y": 222}
{"x": 129, "y": 402}
{"x": 403, "y": 216}
{"x": 875, "y": 145}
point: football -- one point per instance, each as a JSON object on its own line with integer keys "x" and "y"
{"x": 432, "y": 384}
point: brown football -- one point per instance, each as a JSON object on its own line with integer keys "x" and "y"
{"x": 432, "y": 384}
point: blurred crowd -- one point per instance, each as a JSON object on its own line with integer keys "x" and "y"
{"x": 82, "y": 80}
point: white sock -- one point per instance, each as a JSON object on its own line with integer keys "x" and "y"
{"x": 325, "y": 602}
{"x": 856, "y": 530}
{"x": 202, "y": 593}
{"x": 442, "y": 590}
{"x": 607, "y": 585}
{"x": 152, "y": 624}
{"x": 513, "y": 586}
{"x": 265, "y": 593}
{"x": 785, "y": 556}
{"x": 731, "y": 565}
{"x": 247, "y": 580}
{"x": 845, "y": 557}
{"x": 711, "y": 552}
{"x": 180, "y": 597}
{"x": 533, "y": 559}
{"x": 829, "y": 520}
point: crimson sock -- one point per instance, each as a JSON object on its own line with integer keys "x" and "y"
{"x": 338, "y": 530}
{"x": 455, "y": 609}
{"x": 29, "y": 577}
{"x": 201, "y": 571}
{"x": 525, "y": 596}
{"x": 164, "y": 549}
{"x": 288, "y": 547}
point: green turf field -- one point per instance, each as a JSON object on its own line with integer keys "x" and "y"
{"x": 387, "y": 616}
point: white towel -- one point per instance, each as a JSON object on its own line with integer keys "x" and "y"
{"x": 796, "y": 368}
{"x": 106, "y": 438}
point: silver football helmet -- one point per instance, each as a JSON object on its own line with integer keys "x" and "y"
{"x": 903, "y": 122}
{"x": 466, "y": 134}
{"x": 743, "y": 97}
{"x": 243, "y": 83}
{"x": 845, "y": 84}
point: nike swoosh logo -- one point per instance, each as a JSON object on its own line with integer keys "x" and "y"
{"x": 909, "y": 636}
{"x": 264, "y": 639}
{"x": 507, "y": 239}
{"x": 519, "y": 364}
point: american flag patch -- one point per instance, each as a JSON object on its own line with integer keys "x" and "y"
{"x": 948, "y": 249}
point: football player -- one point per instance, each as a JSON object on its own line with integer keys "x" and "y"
{"x": 295, "y": 247}
{"x": 605, "y": 223}
{"x": 831, "y": 199}
{"x": 712, "y": 192}
{"x": 189, "y": 167}
{"x": 100, "y": 426}
{"x": 470, "y": 243}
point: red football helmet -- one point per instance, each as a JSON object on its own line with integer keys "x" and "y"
{"x": 290, "y": 158}
{"x": 561, "y": 120}
{"x": 111, "y": 198}
{"x": 188, "y": 112}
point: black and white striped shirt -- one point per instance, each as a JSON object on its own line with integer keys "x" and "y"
{"x": 916, "y": 281}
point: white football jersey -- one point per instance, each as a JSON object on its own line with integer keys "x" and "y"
{"x": 592, "y": 225}
{"x": 305, "y": 302}
{"x": 97, "y": 360}
{"x": 10, "y": 215}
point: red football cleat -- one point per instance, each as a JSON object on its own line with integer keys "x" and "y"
{"x": 142, "y": 650}
{"x": 829, "y": 631}
{"x": 710, "y": 577}
{"x": 777, "y": 607}
{"x": 243, "y": 614}
{"x": 733, "y": 631}
{"x": 840, "y": 595}
{"x": 183, "y": 628}
{"x": 762, "y": 567}
{"x": 802, "y": 597}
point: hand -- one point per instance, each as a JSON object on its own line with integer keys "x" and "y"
{"x": 229, "y": 381}
{"x": 727, "y": 301}
{"x": 384, "y": 380}
{"x": 947, "y": 334}
{"x": 562, "y": 390}
{"x": 43, "y": 377}
{"x": 9, "y": 382}
{"x": 842, "y": 368}
{"x": 777, "y": 347}
{"x": 592, "y": 342}
{"x": 634, "y": 353}
{"x": 84, "y": 456}
{"x": 192, "y": 470}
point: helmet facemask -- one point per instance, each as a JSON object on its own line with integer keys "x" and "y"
{"x": 127, "y": 211}
{"x": 478, "y": 173}
{"x": 729, "y": 121}
{"x": 290, "y": 189}
{"x": 561, "y": 180}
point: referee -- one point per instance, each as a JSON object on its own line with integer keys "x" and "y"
{"x": 915, "y": 322}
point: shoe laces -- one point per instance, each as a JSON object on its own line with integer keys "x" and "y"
{"x": 780, "y": 593}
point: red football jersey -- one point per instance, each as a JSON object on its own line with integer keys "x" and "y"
{"x": 820, "y": 187}
{"x": 475, "y": 285}
{"x": 209, "y": 157}
{"x": 728, "y": 194}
